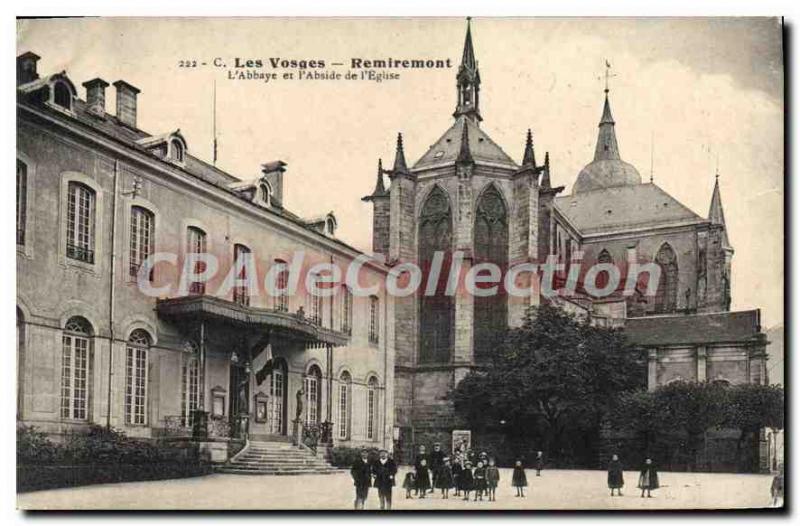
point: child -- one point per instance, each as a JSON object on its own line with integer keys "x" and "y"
{"x": 466, "y": 479}
{"x": 492, "y": 478}
{"x": 423, "y": 478}
{"x": 539, "y": 463}
{"x": 479, "y": 480}
{"x": 444, "y": 478}
{"x": 518, "y": 478}
{"x": 458, "y": 468}
{"x": 615, "y": 477}
{"x": 410, "y": 482}
{"x": 648, "y": 477}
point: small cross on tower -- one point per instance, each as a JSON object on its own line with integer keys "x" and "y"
{"x": 608, "y": 74}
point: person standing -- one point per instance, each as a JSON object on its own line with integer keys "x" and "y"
{"x": 518, "y": 478}
{"x": 423, "y": 478}
{"x": 444, "y": 478}
{"x": 361, "y": 471}
{"x": 436, "y": 459}
{"x": 539, "y": 463}
{"x": 776, "y": 490}
{"x": 420, "y": 456}
{"x": 615, "y": 478}
{"x": 384, "y": 470}
{"x": 492, "y": 479}
{"x": 466, "y": 479}
{"x": 457, "y": 469}
{"x": 479, "y": 480}
{"x": 648, "y": 477}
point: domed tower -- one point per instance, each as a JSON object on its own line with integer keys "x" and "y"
{"x": 463, "y": 206}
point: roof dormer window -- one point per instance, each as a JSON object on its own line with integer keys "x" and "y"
{"x": 265, "y": 194}
{"x": 177, "y": 152}
{"x": 62, "y": 95}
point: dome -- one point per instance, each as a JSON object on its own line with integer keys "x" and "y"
{"x": 606, "y": 173}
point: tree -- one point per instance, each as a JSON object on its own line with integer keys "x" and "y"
{"x": 552, "y": 374}
{"x": 751, "y": 408}
{"x": 638, "y": 413}
{"x": 692, "y": 408}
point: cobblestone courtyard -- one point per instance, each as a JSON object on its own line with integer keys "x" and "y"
{"x": 553, "y": 490}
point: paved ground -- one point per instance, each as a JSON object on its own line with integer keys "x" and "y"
{"x": 553, "y": 490}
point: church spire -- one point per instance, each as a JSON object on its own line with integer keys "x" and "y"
{"x": 716, "y": 214}
{"x": 529, "y": 158}
{"x": 546, "y": 172}
{"x": 606, "y": 148}
{"x": 468, "y": 81}
{"x": 400, "y": 158}
{"x": 464, "y": 153}
{"x": 380, "y": 189}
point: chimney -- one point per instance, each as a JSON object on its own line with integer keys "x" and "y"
{"x": 96, "y": 95}
{"x": 126, "y": 103}
{"x": 26, "y": 68}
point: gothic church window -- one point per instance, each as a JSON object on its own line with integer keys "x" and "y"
{"x": 491, "y": 246}
{"x": 666, "y": 299}
{"x": 437, "y": 311}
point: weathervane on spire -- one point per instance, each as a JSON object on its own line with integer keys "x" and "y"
{"x": 608, "y": 74}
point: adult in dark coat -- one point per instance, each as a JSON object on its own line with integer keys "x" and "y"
{"x": 435, "y": 461}
{"x": 615, "y": 478}
{"x": 444, "y": 478}
{"x": 648, "y": 477}
{"x": 362, "y": 478}
{"x": 384, "y": 471}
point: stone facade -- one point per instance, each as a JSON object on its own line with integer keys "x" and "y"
{"x": 191, "y": 359}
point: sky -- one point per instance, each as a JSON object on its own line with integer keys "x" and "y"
{"x": 696, "y": 96}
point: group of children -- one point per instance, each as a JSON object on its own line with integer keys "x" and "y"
{"x": 437, "y": 471}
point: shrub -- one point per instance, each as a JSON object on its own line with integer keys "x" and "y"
{"x": 33, "y": 447}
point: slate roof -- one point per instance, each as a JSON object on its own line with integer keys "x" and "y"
{"x": 481, "y": 146}
{"x": 694, "y": 329}
{"x": 134, "y": 138}
{"x": 623, "y": 208}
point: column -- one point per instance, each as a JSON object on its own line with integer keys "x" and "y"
{"x": 652, "y": 364}
{"x": 701, "y": 364}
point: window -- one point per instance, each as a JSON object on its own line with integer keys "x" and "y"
{"x": 190, "y": 387}
{"x": 281, "y": 296}
{"x": 313, "y": 383}
{"x": 277, "y": 399}
{"x": 437, "y": 312}
{"x": 62, "y": 96}
{"x": 136, "y": 377}
{"x": 196, "y": 244}
{"x": 142, "y": 243}
{"x": 345, "y": 386}
{"x": 490, "y": 313}
{"x": 347, "y": 310}
{"x": 22, "y": 200}
{"x": 314, "y": 302}
{"x": 80, "y": 222}
{"x": 374, "y": 327}
{"x": 76, "y": 369}
{"x": 372, "y": 408}
{"x": 265, "y": 194}
{"x": 177, "y": 150}
{"x": 603, "y": 277}
{"x": 241, "y": 294}
{"x": 667, "y": 293}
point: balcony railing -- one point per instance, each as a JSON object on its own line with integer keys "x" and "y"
{"x": 80, "y": 253}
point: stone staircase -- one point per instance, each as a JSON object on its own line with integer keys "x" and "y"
{"x": 276, "y": 458}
